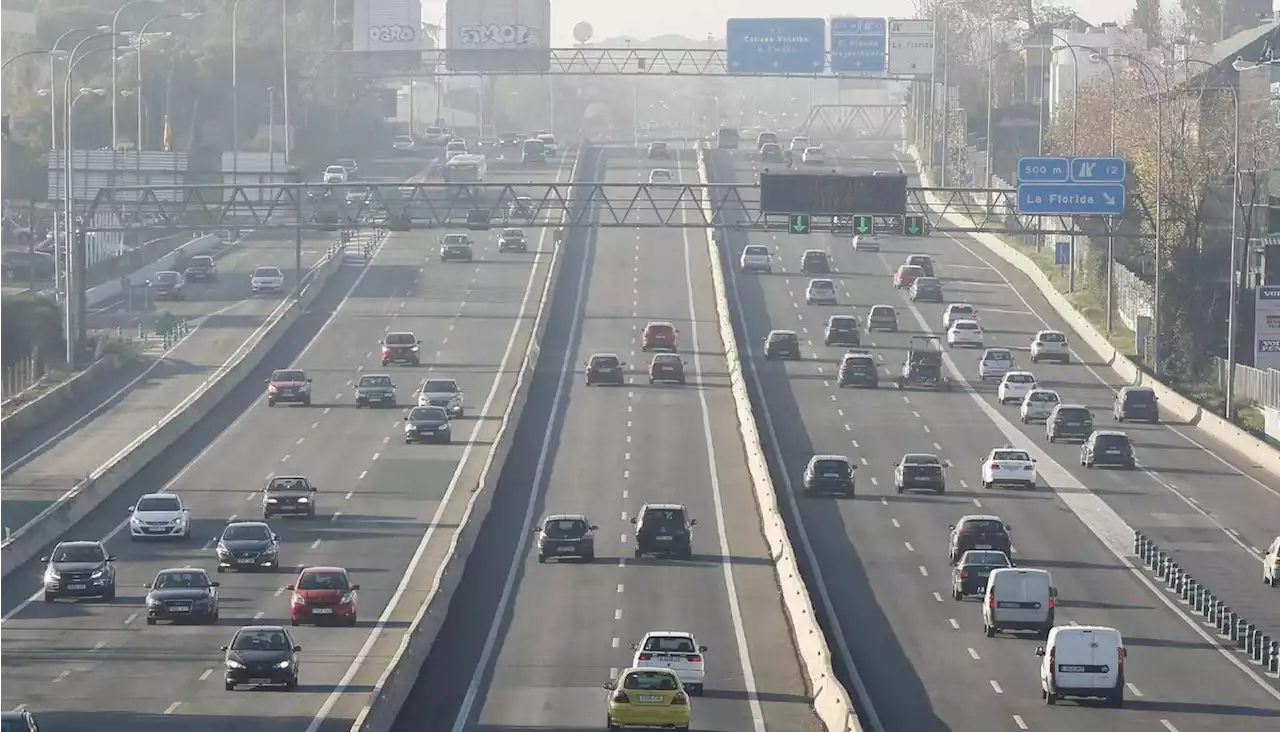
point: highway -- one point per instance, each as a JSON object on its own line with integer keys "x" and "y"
{"x": 880, "y": 559}
{"x": 542, "y": 638}
{"x": 387, "y": 510}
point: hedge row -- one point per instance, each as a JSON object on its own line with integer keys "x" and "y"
{"x": 30, "y": 325}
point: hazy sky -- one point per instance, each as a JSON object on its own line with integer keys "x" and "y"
{"x": 696, "y": 19}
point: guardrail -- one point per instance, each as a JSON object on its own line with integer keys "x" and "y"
{"x": 1259, "y": 647}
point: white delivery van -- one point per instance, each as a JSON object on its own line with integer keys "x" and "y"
{"x": 1083, "y": 662}
{"x": 1019, "y": 599}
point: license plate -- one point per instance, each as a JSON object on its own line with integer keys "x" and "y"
{"x": 322, "y": 611}
{"x": 245, "y": 561}
{"x": 1071, "y": 669}
{"x": 665, "y": 538}
{"x": 1114, "y": 451}
{"x": 180, "y": 609}
{"x": 75, "y": 587}
{"x": 604, "y": 370}
{"x": 981, "y": 546}
{"x": 1073, "y": 424}
{"x": 375, "y": 398}
{"x": 260, "y": 681}
{"x": 426, "y": 431}
{"x": 564, "y": 549}
{"x": 649, "y": 698}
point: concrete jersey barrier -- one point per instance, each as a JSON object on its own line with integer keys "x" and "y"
{"x": 397, "y": 681}
{"x": 108, "y": 291}
{"x": 27, "y": 541}
{"x": 1171, "y": 402}
{"x": 831, "y": 702}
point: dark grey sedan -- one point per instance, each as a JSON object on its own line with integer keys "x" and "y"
{"x": 375, "y": 390}
{"x": 427, "y": 424}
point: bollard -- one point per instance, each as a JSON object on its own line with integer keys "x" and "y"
{"x": 1238, "y": 629}
{"x": 1184, "y": 589}
{"x": 1139, "y": 543}
{"x": 1171, "y": 575}
{"x": 1247, "y": 630}
{"x": 142, "y": 332}
{"x": 1225, "y": 620}
{"x": 1255, "y": 645}
{"x": 1273, "y": 657}
{"x": 1215, "y": 611}
{"x": 1200, "y": 600}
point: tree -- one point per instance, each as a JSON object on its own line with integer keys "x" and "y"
{"x": 1146, "y": 17}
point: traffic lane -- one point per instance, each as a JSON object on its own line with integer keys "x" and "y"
{"x": 323, "y": 439}
{"x": 1089, "y": 597}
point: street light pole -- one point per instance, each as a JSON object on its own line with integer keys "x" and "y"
{"x": 1111, "y": 236}
{"x": 141, "y": 38}
{"x": 115, "y": 21}
{"x": 1075, "y": 121}
{"x": 235, "y": 95}
{"x": 284, "y": 71}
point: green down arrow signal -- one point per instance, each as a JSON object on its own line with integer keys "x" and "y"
{"x": 862, "y": 224}
{"x": 799, "y": 224}
{"x": 915, "y": 225}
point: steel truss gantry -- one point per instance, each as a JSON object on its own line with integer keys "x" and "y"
{"x": 612, "y": 62}
{"x": 404, "y": 206}
{"x": 857, "y": 122}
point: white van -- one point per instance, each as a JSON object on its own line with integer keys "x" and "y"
{"x": 1082, "y": 661}
{"x": 1019, "y": 599}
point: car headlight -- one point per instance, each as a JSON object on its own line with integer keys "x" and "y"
{"x": 179, "y": 521}
{"x": 98, "y": 573}
{"x": 153, "y": 602}
{"x": 414, "y": 348}
{"x": 270, "y": 551}
{"x": 298, "y": 599}
{"x": 284, "y": 664}
{"x": 51, "y": 576}
{"x": 221, "y": 549}
{"x": 304, "y": 499}
{"x": 234, "y": 664}
{"x": 346, "y": 599}
{"x": 271, "y": 500}
{"x": 135, "y": 520}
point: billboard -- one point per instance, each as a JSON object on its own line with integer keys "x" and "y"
{"x": 1266, "y": 328}
{"x": 496, "y": 36}
{"x": 387, "y": 25}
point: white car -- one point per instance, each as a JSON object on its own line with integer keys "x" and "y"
{"x": 958, "y": 311}
{"x": 676, "y": 650}
{"x": 965, "y": 333}
{"x": 799, "y": 143}
{"x": 159, "y": 514}
{"x": 659, "y": 175}
{"x": 549, "y": 148}
{"x": 813, "y": 156}
{"x": 434, "y": 136}
{"x": 454, "y": 149}
{"x": 756, "y": 258}
{"x": 1083, "y": 661}
{"x": 1009, "y": 466}
{"x": 403, "y": 143}
{"x": 1050, "y": 345}
{"x": 1038, "y": 405}
{"x": 821, "y": 292}
{"x": 335, "y": 174}
{"x": 444, "y": 393}
{"x": 1015, "y": 386}
{"x": 995, "y": 363}
{"x": 1271, "y": 564}
{"x": 266, "y": 279}
{"x": 866, "y": 243}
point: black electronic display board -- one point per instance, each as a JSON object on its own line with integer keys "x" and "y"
{"x": 831, "y": 193}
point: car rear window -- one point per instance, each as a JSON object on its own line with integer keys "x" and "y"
{"x": 266, "y": 272}
{"x": 910, "y": 269}
{"x": 925, "y": 283}
{"x": 1111, "y": 441}
{"x": 756, "y": 250}
{"x": 983, "y": 526}
{"x": 822, "y": 285}
{"x": 667, "y": 644}
{"x": 919, "y": 259}
{"x": 660, "y": 329}
{"x": 664, "y": 519}
{"x": 650, "y": 681}
{"x": 565, "y": 528}
{"x": 1043, "y": 396}
{"x": 998, "y": 356}
{"x": 1073, "y": 413}
{"x": 859, "y": 362}
{"x": 1052, "y": 338}
{"x": 436, "y": 386}
{"x": 921, "y": 460}
{"x": 783, "y": 337}
{"x": 167, "y": 277}
{"x": 666, "y": 358}
{"x": 1140, "y": 397}
{"x": 400, "y": 339}
{"x": 604, "y": 361}
{"x": 962, "y": 310}
{"x": 1014, "y": 455}
{"x": 985, "y": 558}
{"x": 1021, "y": 379}
{"x": 843, "y": 321}
{"x": 883, "y": 311}
{"x": 201, "y": 261}
{"x": 831, "y": 467}
{"x": 965, "y": 325}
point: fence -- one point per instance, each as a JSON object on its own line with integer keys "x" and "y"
{"x": 22, "y": 375}
{"x": 1255, "y": 385}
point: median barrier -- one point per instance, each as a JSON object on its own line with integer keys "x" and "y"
{"x": 401, "y": 673}
{"x": 1171, "y": 402}
{"x": 831, "y": 701}
{"x": 108, "y": 291}
{"x": 27, "y": 541}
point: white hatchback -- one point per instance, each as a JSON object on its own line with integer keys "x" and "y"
{"x": 675, "y": 650}
{"x": 958, "y": 311}
{"x": 1050, "y": 345}
{"x": 995, "y": 363}
{"x": 821, "y": 292}
{"x": 159, "y": 514}
{"x": 1015, "y": 386}
{"x": 965, "y": 333}
{"x": 1038, "y": 405}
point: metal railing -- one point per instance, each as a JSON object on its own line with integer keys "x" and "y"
{"x": 1259, "y": 386}
{"x": 23, "y": 375}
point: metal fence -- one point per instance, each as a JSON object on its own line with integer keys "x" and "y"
{"x": 1255, "y": 385}
{"x": 22, "y": 375}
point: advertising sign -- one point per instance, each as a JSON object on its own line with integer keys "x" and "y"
{"x": 387, "y": 25}
{"x": 1266, "y": 328}
{"x": 496, "y": 36}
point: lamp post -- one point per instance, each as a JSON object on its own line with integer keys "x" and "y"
{"x": 1111, "y": 237}
{"x": 115, "y": 21}
{"x": 235, "y": 94}
{"x": 1075, "y": 122}
{"x": 1159, "y": 224}
{"x": 284, "y": 72}
{"x": 141, "y": 39}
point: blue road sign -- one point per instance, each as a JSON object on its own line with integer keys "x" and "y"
{"x": 776, "y": 45}
{"x": 1071, "y": 199}
{"x": 1097, "y": 170}
{"x": 1062, "y": 253}
{"x": 858, "y": 45}
{"x": 1044, "y": 170}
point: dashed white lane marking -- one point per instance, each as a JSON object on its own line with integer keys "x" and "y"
{"x": 315, "y": 543}
{"x": 626, "y": 456}
{"x": 974, "y": 655}
{"x": 977, "y": 503}
{"x": 377, "y": 455}
{"x": 1133, "y": 690}
{"x": 613, "y": 672}
{"x": 61, "y": 675}
{"x": 624, "y": 516}
{"x": 279, "y": 591}
{"x": 938, "y": 447}
{"x": 954, "y": 624}
{"x": 1017, "y": 719}
{"x": 172, "y": 707}
{"x": 258, "y": 615}
{"x": 286, "y": 457}
{"x": 1168, "y": 725}
{"x": 896, "y": 525}
{"x": 617, "y": 613}
{"x": 207, "y": 673}
{"x": 300, "y": 441}
{"x": 348, "y": 496}
{"x": 996, "y": 685}
{"x": 937, "y": 596}
{"x": 874, "y": 480}
{"x": 315, "y": 425}
{"x": 626, "y": 474}
{"x": 363, "y": 473}
{"x": 623, "y": 539}
{"x": 909, "y": 547}
{"x": 614, "y": 642}
{"x": 625, "y": 494}
{"x": 99, "y": 645}
{"x": 924, "y": 571}
{"x": 326, "y": 410}
{"x": 131, "y": 618}
{"x": 964, "y": 483}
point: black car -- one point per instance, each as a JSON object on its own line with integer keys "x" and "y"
{"x": 168, "y": 286}
{"x": 262, "y": 655}
{"x": 400, "y": 347}
{"x": 969, "y": 575}
{"x": 1108, "y": 448}
{"x": 1069, "y": 422}
{"x": 829, "y": 474}
{"x": 815, "y": 261}
{"x": 842, "y": 330}
{"x": 858, "y": 369}
{"x": 427, "y": 424}
{"x": 375, "y": 389}
{"x": 605, "y": 368}
{"x": 182, "y": 595}
{"x": 456, "y": 248}
{"x": 79, "y": 569}
{"x": 664, "y": 529}
{"x": 782, "y": 344}
{"x": 201, "y": 269}
{"x": 978, "y": 532}
{"x": 1136, "y": 402}
{"x": 566, "y": 535}
{"x": 289, "y": 495}
{"x": 247, "y": 545}
{"x": 926, "y": 289}
{"x": 920, "y": 472}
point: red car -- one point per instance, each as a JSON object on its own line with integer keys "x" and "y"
{"x": 666, "y": 367}
{"x": 659, "y": 337}
{"x": 289, "y": 386}
{"x": 906, "y": 274}
{"x": 323, "y": 595}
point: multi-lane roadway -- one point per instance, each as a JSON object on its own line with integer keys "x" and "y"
{"x": 387, "y": 510}
{"x": 879, "y": 560}
{"x": 528, "y": 645}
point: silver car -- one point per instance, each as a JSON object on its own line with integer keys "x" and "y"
{"x": 821, "y": 292}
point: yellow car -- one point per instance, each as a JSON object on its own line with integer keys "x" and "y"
{"x": 648, "y": 697}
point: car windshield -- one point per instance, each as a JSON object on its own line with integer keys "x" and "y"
{"x": 1052, "y": 337}
{"x": 770, "y": 147}
{"x": 668, "y": 644}
{"x": 260, "y": 640}
{"x": 375, "y": 380}
{"x": 180, "y": 579}
{"x": 201, "y": 261}
{"x": 427, "y": 414}
{"x": 983, "y": 526}
{"x": 323, "y": 580}
{"x": 266, "y": 272}
{"x": 1074, "y": 413}
{"x": 565, "y": 528}
{"x": 1020, "y": 379}
{"x": 985, "y": 558}
{"x": 1140, "y": 396}
{"x": 167, "y": 277}
{"x": 607, "y": 361}
{"x": 159, "y": 503}
{"x": 288, "y": 375}
{"x": 646, "y": 680}
{"x": 79, "y": 553}
{"x": 831, "y": 467}
{"x": 335, "y": 169}
{"x": 401, "y": 339}
{"x": 512, "y": 234}
{"x": 914, "y": 459}
{"x": 1043, "y": 396}
{"x": 255, "y": 532}
{"x": 278, "y": 485}
{"x": 437, "y": 386}
{"x": 1011, "y": 455}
